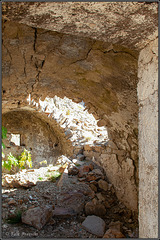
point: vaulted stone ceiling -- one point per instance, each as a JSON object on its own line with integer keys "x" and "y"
{"x": 132, "y": 24}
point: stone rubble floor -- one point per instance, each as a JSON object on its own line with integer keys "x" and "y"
{"x": 66, "y": 193}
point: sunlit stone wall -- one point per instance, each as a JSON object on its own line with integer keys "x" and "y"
{"x": 148, "y": 140}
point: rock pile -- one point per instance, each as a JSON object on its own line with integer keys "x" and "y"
{"x": 80, "y": 126}
{"x": 82, "y": 194}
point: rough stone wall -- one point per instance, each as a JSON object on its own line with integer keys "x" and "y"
{"x": 44, "y": 64}
{"x": 148, "y": 140}
{"x": 120, "y": 173}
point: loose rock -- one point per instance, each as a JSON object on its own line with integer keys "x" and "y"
{"x": 100, "y": 197}
{"x": 116, "y": 225}
{"x": 83, "y": 171}
{"x": 93, "y": 187}
{"x": 95, "y": 174}
{"x": 21, "y": 179}
{"x": 90, "y": 178}
{"x": 95, "y": 209}
{"x": 114, "y": 230}
{"x": 73, "y": 170}
{"x": 72, "y": 200}
{"x": 63, "y": 212}
{"x": 94, "y": 225}
{"x": 103, "y": 185}
{"x": 37, "y": 217}
{"x": 113, "y": 233}
{"x": 12, "y": 202}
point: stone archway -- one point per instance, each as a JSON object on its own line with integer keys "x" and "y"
{"x": 100, "y": 78}
{"x": 44, "y": 139}
{"x": 75, "y": 64}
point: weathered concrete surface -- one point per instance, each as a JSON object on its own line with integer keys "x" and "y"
{"x": 148, "y": 140}
{"x": 131, "y": 24}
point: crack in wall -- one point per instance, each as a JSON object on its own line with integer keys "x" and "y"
{"x": 119, "y": 164}
{"x": 111, "y": 50}
{"x": 37, "y": 65}
{"x": 142, "y": 102}
{"x": 10, "y": 56}
{"x": 135, "y": 174}
{"x": 7, "y": 50}
{"x": 114, "y": 51}
{"x": 85, "y": 58}
{"x": 39, "y": 68}
{"x": 148, "y": 43}
{"x": 24, "y": 58}
{"x": 35, "y": 39}
{"x": 152, "y": 60}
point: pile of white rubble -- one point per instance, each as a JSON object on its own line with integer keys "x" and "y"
{"x": 80, "y": 126}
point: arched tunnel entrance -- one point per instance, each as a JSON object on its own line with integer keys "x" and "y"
{"x": 35, "y": 135}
